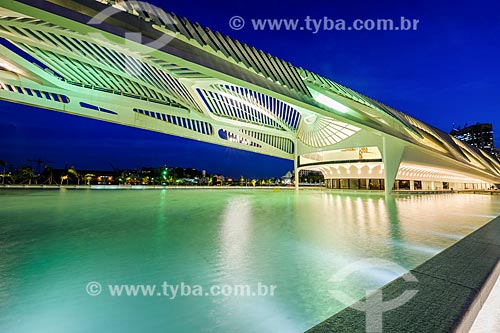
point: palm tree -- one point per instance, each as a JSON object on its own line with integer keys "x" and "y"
{"x": 64, "y": 178}
{"x": 72, "y": 171}
{"x": 3, "y": 164}
{"x": 88, "y": 178}
{"x": 48, "y": 173}
{"x": 27, "y": 174}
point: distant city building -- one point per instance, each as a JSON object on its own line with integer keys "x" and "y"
{"x": 478, "y": 135}
{"x": 311, "y": 176}
{"x": 497, "y": 152}
{"x": 287, "y": 178}
{"x": 218, "y": 180}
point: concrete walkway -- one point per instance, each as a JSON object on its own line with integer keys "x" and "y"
{"x": 451, "y": 288}
{"x": 488, "y": 319}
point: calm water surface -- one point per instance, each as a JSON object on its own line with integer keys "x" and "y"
{"x": 53, "y": 243}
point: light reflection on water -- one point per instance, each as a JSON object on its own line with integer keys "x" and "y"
{"x": 52, "y": 243}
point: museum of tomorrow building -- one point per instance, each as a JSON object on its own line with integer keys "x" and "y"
{"x": 133, "y": 64}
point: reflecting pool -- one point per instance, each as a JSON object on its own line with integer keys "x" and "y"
{"x": 54, "y": 242}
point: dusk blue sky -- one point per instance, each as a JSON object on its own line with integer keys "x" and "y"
{"x": 445, "y": 72}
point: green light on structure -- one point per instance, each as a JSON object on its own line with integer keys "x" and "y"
{"x": 329, "y": 102}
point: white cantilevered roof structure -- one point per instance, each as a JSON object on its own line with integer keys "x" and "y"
{"x": 131, "y": 63}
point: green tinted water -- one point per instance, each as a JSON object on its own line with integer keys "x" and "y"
{"x": 53, "y": 243}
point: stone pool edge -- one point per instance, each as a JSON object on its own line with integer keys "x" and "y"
{"x": 452, "y": 287}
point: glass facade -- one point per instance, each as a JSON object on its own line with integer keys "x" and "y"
{"x": 377, "y": 184}
{"x": 403, "y": 184}
{"x": 355, "y": 184}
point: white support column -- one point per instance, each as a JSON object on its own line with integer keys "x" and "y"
{"x": 412, "y": 185}
{"x": 392, "y": 152}
{"x": 296, "y": 167}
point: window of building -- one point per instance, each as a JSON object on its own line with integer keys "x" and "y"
{"x": 404, "y": 184}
